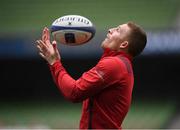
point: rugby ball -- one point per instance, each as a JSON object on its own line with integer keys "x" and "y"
{"x": 72, "y": 30}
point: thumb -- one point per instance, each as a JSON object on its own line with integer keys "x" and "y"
{"x": 54, "y": 44}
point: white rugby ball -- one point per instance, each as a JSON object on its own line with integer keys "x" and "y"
{"x": 72, "y": 30}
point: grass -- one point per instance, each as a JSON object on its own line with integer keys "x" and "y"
{"x": 54, "y": 115}
{"x": 67, "y": 115}
{"x": 23, "y": 15}
{"x": 149, "y": 115}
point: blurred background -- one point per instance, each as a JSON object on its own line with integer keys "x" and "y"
{"x": 28, "y": 95}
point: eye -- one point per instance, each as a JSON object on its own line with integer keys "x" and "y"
{"x": 118, "y": 29}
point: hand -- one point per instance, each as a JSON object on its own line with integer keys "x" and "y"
{"x": 47, "y": 50}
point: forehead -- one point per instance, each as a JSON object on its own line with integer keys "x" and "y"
{"x": 123, "y": 26}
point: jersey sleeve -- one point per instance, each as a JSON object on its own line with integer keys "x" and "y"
{"x": 90, "y": 83}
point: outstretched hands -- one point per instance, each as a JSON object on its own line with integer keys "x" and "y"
{"x": 48, "y": 50}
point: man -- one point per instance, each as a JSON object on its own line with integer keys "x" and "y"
{"x": 105, "y": 89}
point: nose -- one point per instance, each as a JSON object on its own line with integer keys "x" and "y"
{"x": 110, "y": 30}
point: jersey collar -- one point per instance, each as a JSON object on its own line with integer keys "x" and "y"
{"x": 108, "y": 52}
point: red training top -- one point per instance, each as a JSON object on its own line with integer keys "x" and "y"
{"x": 105, "y": 90}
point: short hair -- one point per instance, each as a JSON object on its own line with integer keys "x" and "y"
{"x": 137, "y": 39}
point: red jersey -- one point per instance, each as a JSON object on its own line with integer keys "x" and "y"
{"x": 105, "y": 90}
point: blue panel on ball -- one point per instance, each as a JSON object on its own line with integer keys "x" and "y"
{"x": 86, "y": 29}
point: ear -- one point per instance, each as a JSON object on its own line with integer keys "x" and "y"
{"x": 124, "y": 45}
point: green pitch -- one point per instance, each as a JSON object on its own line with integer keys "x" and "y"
{"x": 33, "y": 15}
{"x": 66, "y": 115}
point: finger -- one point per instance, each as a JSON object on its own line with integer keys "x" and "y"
{"x": 42, "y": 50}
{"x": 43, "y": 37}
{"x": 38, "y": 43}
{"x": 42, "y": 44}
{"x": 54, "y": 43}
{"x": 42, "y": 55}
{"x": 47, "y": 33}
{"x": 39, "y": 48}
{"x": 43, "y": 34}
{"x": 48, "y": 43}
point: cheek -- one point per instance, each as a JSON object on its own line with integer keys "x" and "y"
{"x": 116, "y": 37}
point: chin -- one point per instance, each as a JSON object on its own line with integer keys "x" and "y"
{"x": 104, "y": 44}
